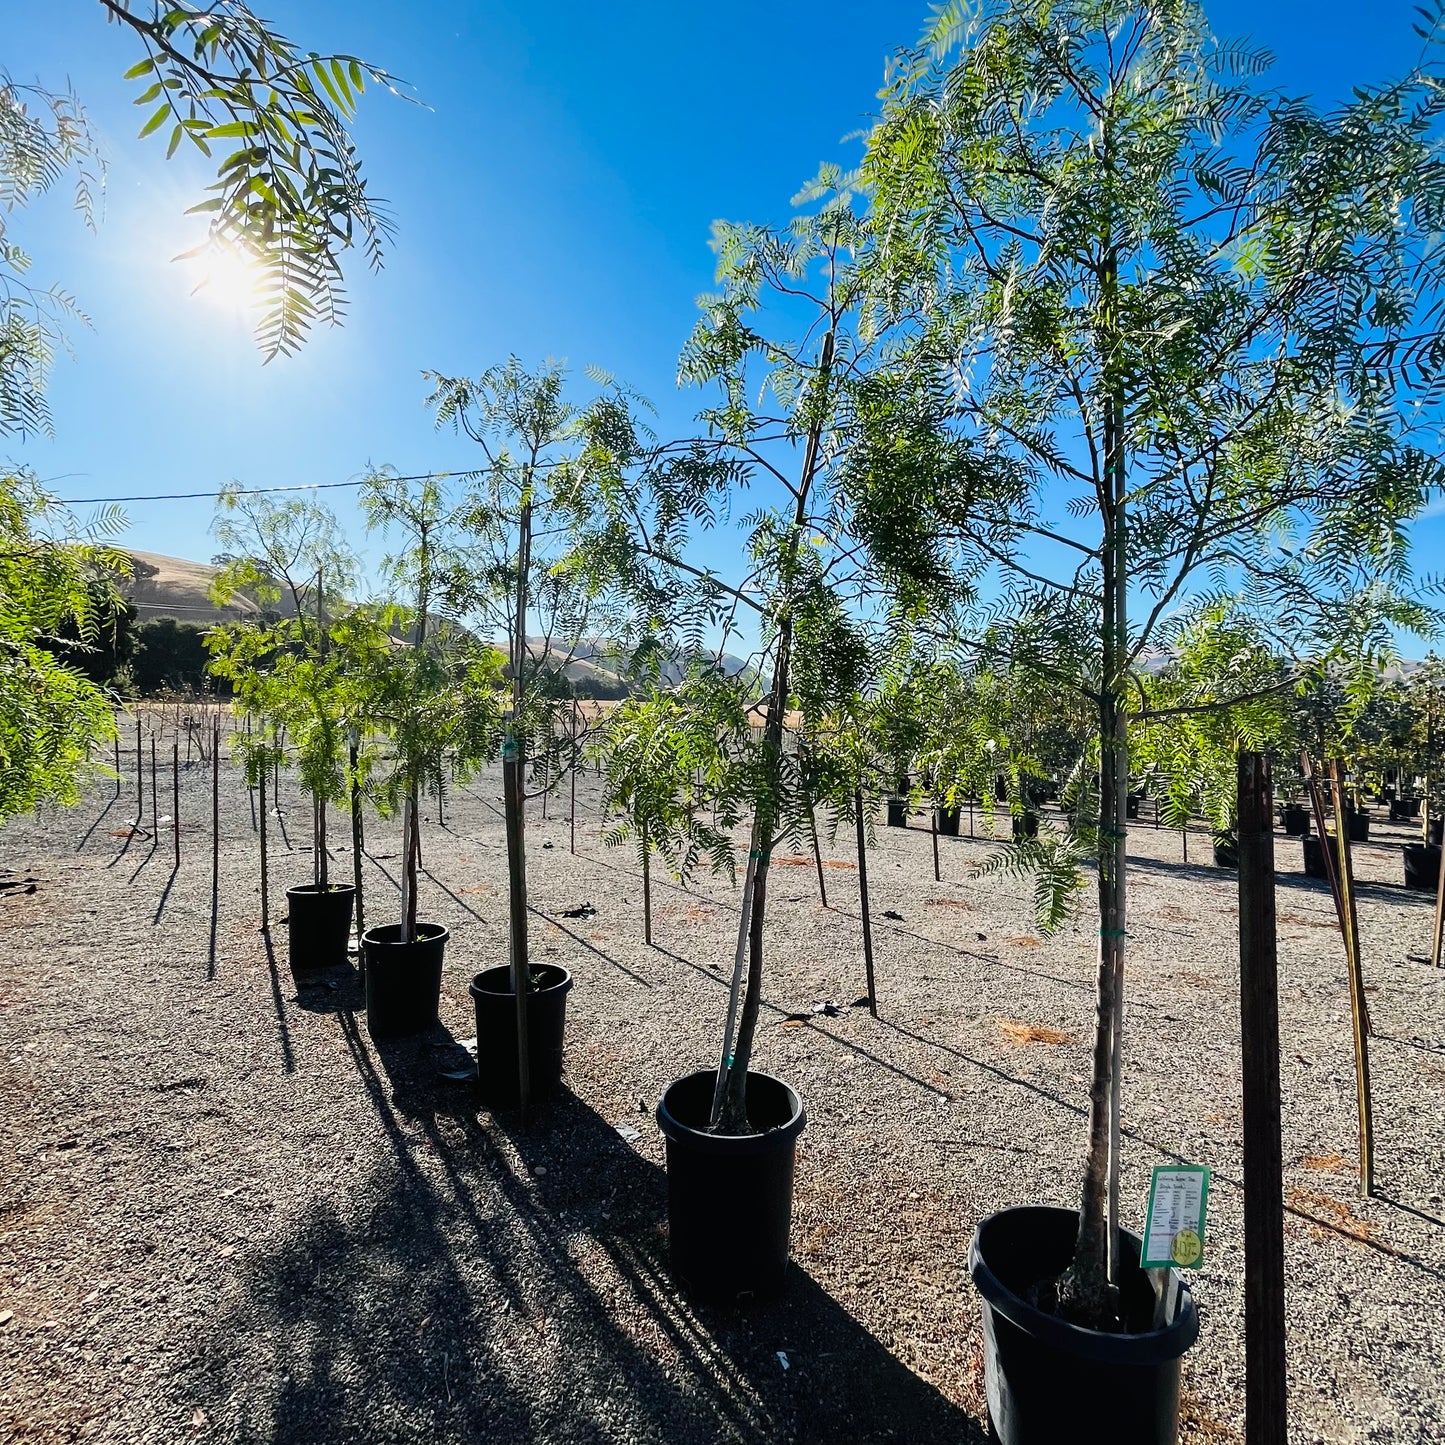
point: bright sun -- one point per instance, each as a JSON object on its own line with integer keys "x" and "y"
{"x": 227, "y": 278}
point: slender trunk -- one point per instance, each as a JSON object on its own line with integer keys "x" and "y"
{"x": 1088, "y": 1296}
{"x": 514, "y": 779}
{"x": 933, "y": 828}
{"x": 408, "y": 869}
{"x": 734, "y": 1118}
{"x": 320, "y": 862}
{"x": 215, "y": 813}
{"x": 572, "y": 777}
{"x": 176, "y": 798}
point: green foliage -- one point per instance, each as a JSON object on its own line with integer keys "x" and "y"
{"x": 289, "y": 196}
{"x": 662, "y": 754}
{"x": 170, "y": 655}
{"x": 55, "y": 577}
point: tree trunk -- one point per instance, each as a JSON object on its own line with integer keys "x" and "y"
{"x": 357, "y": 844}
{"x": 1089, "y": 1291}
{"x": 646, "y": 889}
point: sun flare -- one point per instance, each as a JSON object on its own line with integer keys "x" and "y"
{"x": 227, "y": 278}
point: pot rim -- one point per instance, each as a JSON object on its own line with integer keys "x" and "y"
{"x": 563, "y": 984}
{"x": 736, "y": 1145}
{"x": 1151, "y": 1347}
{"x": 314, "y": 890}
{"x": 434, "y": 933}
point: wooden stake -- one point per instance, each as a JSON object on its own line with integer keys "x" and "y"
{"x": 863, "y": 900}
{"x": 1359, "y": 1012}
{"x": 646, "y": 889}
{"x": 215, "y": 809}
{"x": 176, "y": 798}
{"x": 265, "y": 912}
{"x": 1317, "y": 805}
{"x": 1266, "y": 1392}
{"x": 155, "y": 810}
{"x": 117, "y": 758}
{"x": 1437, "y": 939}
{"x": 817, "y": 854}
{"x": 357, "y": 844}
{"x": 139, "y": 775}
{"x": 512, "y": 784}
{"x": 933, "y": 828}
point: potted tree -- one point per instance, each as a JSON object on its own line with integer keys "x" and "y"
{"x": 1049, "y": 179}
{"x": 288, "y": 675}
{"x": 432, "y": 690}
{"x": 528, "y": 589}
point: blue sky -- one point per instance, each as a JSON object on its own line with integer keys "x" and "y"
{"x": 553, "y": 198}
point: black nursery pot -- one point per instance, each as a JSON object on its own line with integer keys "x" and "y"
{"x": 1315, "y": 858}
{"x": 1226, "y": 850}
{"x": 730, "y": 1196}
{"x": 1048, "y": 1381}
{"x": 1436, "y": 831}
{"x": 898, "y": 812}
{"x": 1357, "y": 825}
{"x": 1131, "y": 805}
{"x": 495, "y": 1002}
{"x": 1026, "y": 825}
{"x": 318, "y": 926}
{"x": 403, "y": 980}
{"x": 1422, "y": 866}
{"x": 948, "y": 820}
{"x": 1296, "y": 820}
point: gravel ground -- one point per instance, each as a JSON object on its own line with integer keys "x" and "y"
{"x": 226, "y": 1214}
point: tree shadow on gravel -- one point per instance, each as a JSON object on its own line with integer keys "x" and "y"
{"x": 485, "y": 1282}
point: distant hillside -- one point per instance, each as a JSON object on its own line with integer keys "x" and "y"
{"x": 172, "y": 587}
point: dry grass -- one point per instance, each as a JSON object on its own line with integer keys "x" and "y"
{"x": 1325, "y": 1163}
{"x": 1025, "y": 941}
{"x": 795, "y": 861}
{"x": 1334, "y": 1215}
{"x": 1300, "y": 921}
{"x": 1021, "y": 1033}
{"x": 948, "y": 903}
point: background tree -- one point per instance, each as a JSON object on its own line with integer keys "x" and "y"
{"x": 1194, "y": 312}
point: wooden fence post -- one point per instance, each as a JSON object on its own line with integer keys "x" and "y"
{"x": 176, "y": 798}
{"x": 1265, "y": 1390}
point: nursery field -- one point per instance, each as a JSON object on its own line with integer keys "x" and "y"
{"x": 227, "y": 1214}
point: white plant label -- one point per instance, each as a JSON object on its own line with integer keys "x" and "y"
{"x": 1174, "y": 1231}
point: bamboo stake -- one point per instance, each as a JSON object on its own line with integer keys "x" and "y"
{"x": 863, "y": 900}
{"x": 1358, "y": 1011}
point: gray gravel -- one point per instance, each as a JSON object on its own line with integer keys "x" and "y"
{"x": 225, "y": 1214}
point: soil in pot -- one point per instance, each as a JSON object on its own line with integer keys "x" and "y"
{"x": 1048, "y": 1381}
{"x": 948, "y": 820}
{"x": 1422, "y": 866}
{"x": 898, "y": 812}
{"x": 403, "y": 980}
{"x": 730, "y": 1196}
{"x": 496, "y": 1009}
{"x": 318, "y": 926}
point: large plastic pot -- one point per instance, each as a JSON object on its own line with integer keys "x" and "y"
{"x": 1357, "y": 825}
{"x": 495, "y": 1003}
{"x": 1226, "y": 850}
{"x": 1315, "y": 866}
{"x": 403, "y": 980}
{"x": 730, "y": 1196}
{"x": 1436, "y": 831}
{"x": 948, "y": 819}
{"x": 1048, "y": 1381}
{"x": 1296, "y": 820}
{"x": 1422, "y": 866}
{"x": 1026, "y": 825}
{"x": 318, "y": 925}
{"x": 1131, "y": 805}
{"x": 898, "y": 812}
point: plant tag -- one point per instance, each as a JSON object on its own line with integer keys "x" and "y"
{"x": 1174, "y": 1232}
{"x": 511, "y": 747}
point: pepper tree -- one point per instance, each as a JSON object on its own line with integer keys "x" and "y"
{"x": 1195, "y": 311}
{"x": 814, "y": 556}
